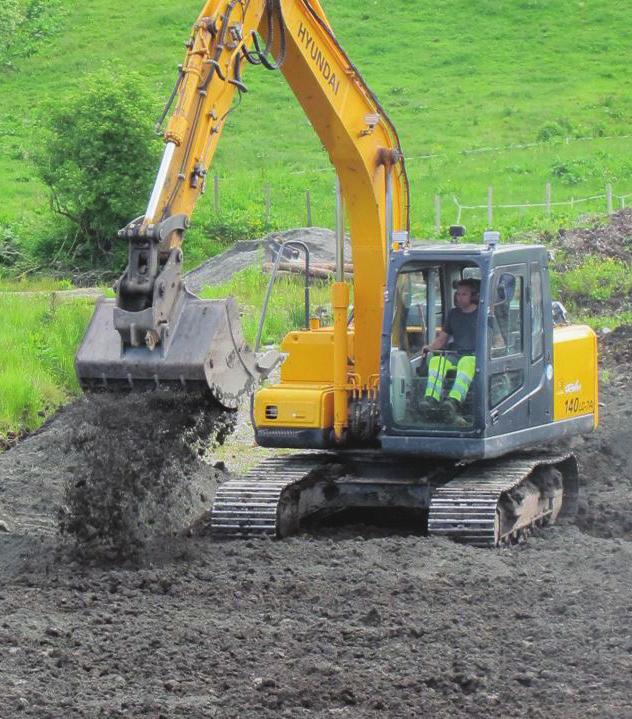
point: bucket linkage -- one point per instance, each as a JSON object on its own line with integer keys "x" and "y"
{"x": 158, "y": 334}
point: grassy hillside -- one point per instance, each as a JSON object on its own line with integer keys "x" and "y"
{"x": 39, "y": 335}
{"x": 455, "y": 75}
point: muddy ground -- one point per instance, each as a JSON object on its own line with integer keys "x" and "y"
{"x": 346, "y": 622}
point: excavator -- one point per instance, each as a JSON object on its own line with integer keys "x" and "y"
{"x": 350, "y": 395}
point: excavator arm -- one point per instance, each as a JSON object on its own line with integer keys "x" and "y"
{"x": 293, "y": 36}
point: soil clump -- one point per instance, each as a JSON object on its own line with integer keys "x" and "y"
{"x": 139, "y": 455}
{"x": 114, "y": 471}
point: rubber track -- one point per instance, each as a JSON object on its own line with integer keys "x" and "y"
{"x": 248, "y": 506}
{"x": 465, "y": 508}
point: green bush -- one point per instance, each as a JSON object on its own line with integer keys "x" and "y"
{"x": 549, "y": 131}
{"x": 573, "y": 172}
{"x": 10, "y": 252}
{"x": 100, "y": 158}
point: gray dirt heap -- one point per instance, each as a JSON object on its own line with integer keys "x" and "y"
{"x": 349, "y": 622}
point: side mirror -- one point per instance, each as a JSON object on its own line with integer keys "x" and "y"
{"x": 505, "y": 289}
{"x": 560, "y": 315}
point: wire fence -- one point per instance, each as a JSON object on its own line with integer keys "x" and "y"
{"x": 608, "y": 198}
{"x": 568, "y": 140}
{"x": 521, "y": 146}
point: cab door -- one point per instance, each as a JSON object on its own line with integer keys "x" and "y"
{"x": 540, "y": 348}
{"x": 507, "y": 351}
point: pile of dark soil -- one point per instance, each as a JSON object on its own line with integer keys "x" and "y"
{"x": 114, "y": 470}
{"x": 345, "y": 622}
{"x": 338, "y": 625}
{"x": 320, "y": 242}
{"x": 609, "y": 238}
{"x": 138, "y": 455}
{"x": 615, "y": 350}
{"x": 606, "y": 494}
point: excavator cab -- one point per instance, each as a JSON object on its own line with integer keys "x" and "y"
{"x": 421, "y": 308}
{"x": 511, "y": 401}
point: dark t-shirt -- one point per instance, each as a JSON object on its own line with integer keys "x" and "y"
{"x": 462, "y": 326}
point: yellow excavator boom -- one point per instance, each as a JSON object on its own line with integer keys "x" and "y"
{"x": 295, "y": 37}
{"x": 361, "y": 141}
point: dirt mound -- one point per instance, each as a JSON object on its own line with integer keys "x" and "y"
{"x": 351, "y": 622}
{"x": 321, "y": 243}
{"x": 606, "y": 471}
{"x": 616, "y": 350}
{"x": 115, "y": 470}
{"x": 137, "y": 456}
{"x": 612, "y": 238}
{"x": 328, "y": 626}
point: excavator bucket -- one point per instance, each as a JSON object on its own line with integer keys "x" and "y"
{"x": 202, "y": 351}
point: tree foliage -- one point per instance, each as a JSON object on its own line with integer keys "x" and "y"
{"x": 100, "y": 158}
{"x": 23, "y": 26}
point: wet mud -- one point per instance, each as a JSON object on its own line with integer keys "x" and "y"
{"x": 351, "y": 621}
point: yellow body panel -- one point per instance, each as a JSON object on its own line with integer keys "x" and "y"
{"x": 575, "y": 374}
{"x": 311, "y": 356}
{"x": 298, "y": 406}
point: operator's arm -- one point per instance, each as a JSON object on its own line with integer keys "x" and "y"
{"x": 439, "y": 342}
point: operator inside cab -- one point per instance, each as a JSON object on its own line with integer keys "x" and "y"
{"x": 453, "y": 349}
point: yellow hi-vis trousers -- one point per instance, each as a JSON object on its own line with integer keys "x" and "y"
{"x": 439, "y": 365}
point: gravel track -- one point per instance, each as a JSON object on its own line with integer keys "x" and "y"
{"x": 346, "y": 622}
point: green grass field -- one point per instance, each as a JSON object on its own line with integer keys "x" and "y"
{"x": 454, "y": 76}
{"x": 509, "y": 95}
{"x": 39, "y": 336}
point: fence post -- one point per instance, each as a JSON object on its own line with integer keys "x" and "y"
{"x": 267, "y": 198}
{"x": 547, "y": 198}
{"x": 437, "y": 204}
{"x": 459, "y": 209}
{"x": 216, "y": 193}
{"x": 490, "y": 207}
{"x": 308, "y": 207}
{"x": 609, "y": 198}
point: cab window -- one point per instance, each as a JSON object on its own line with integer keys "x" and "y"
{"x": 418, "y": 310}
{"x": 506, "y": 334}
{"x": 506, "y": 330}
{"x": 423, "y": 385}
